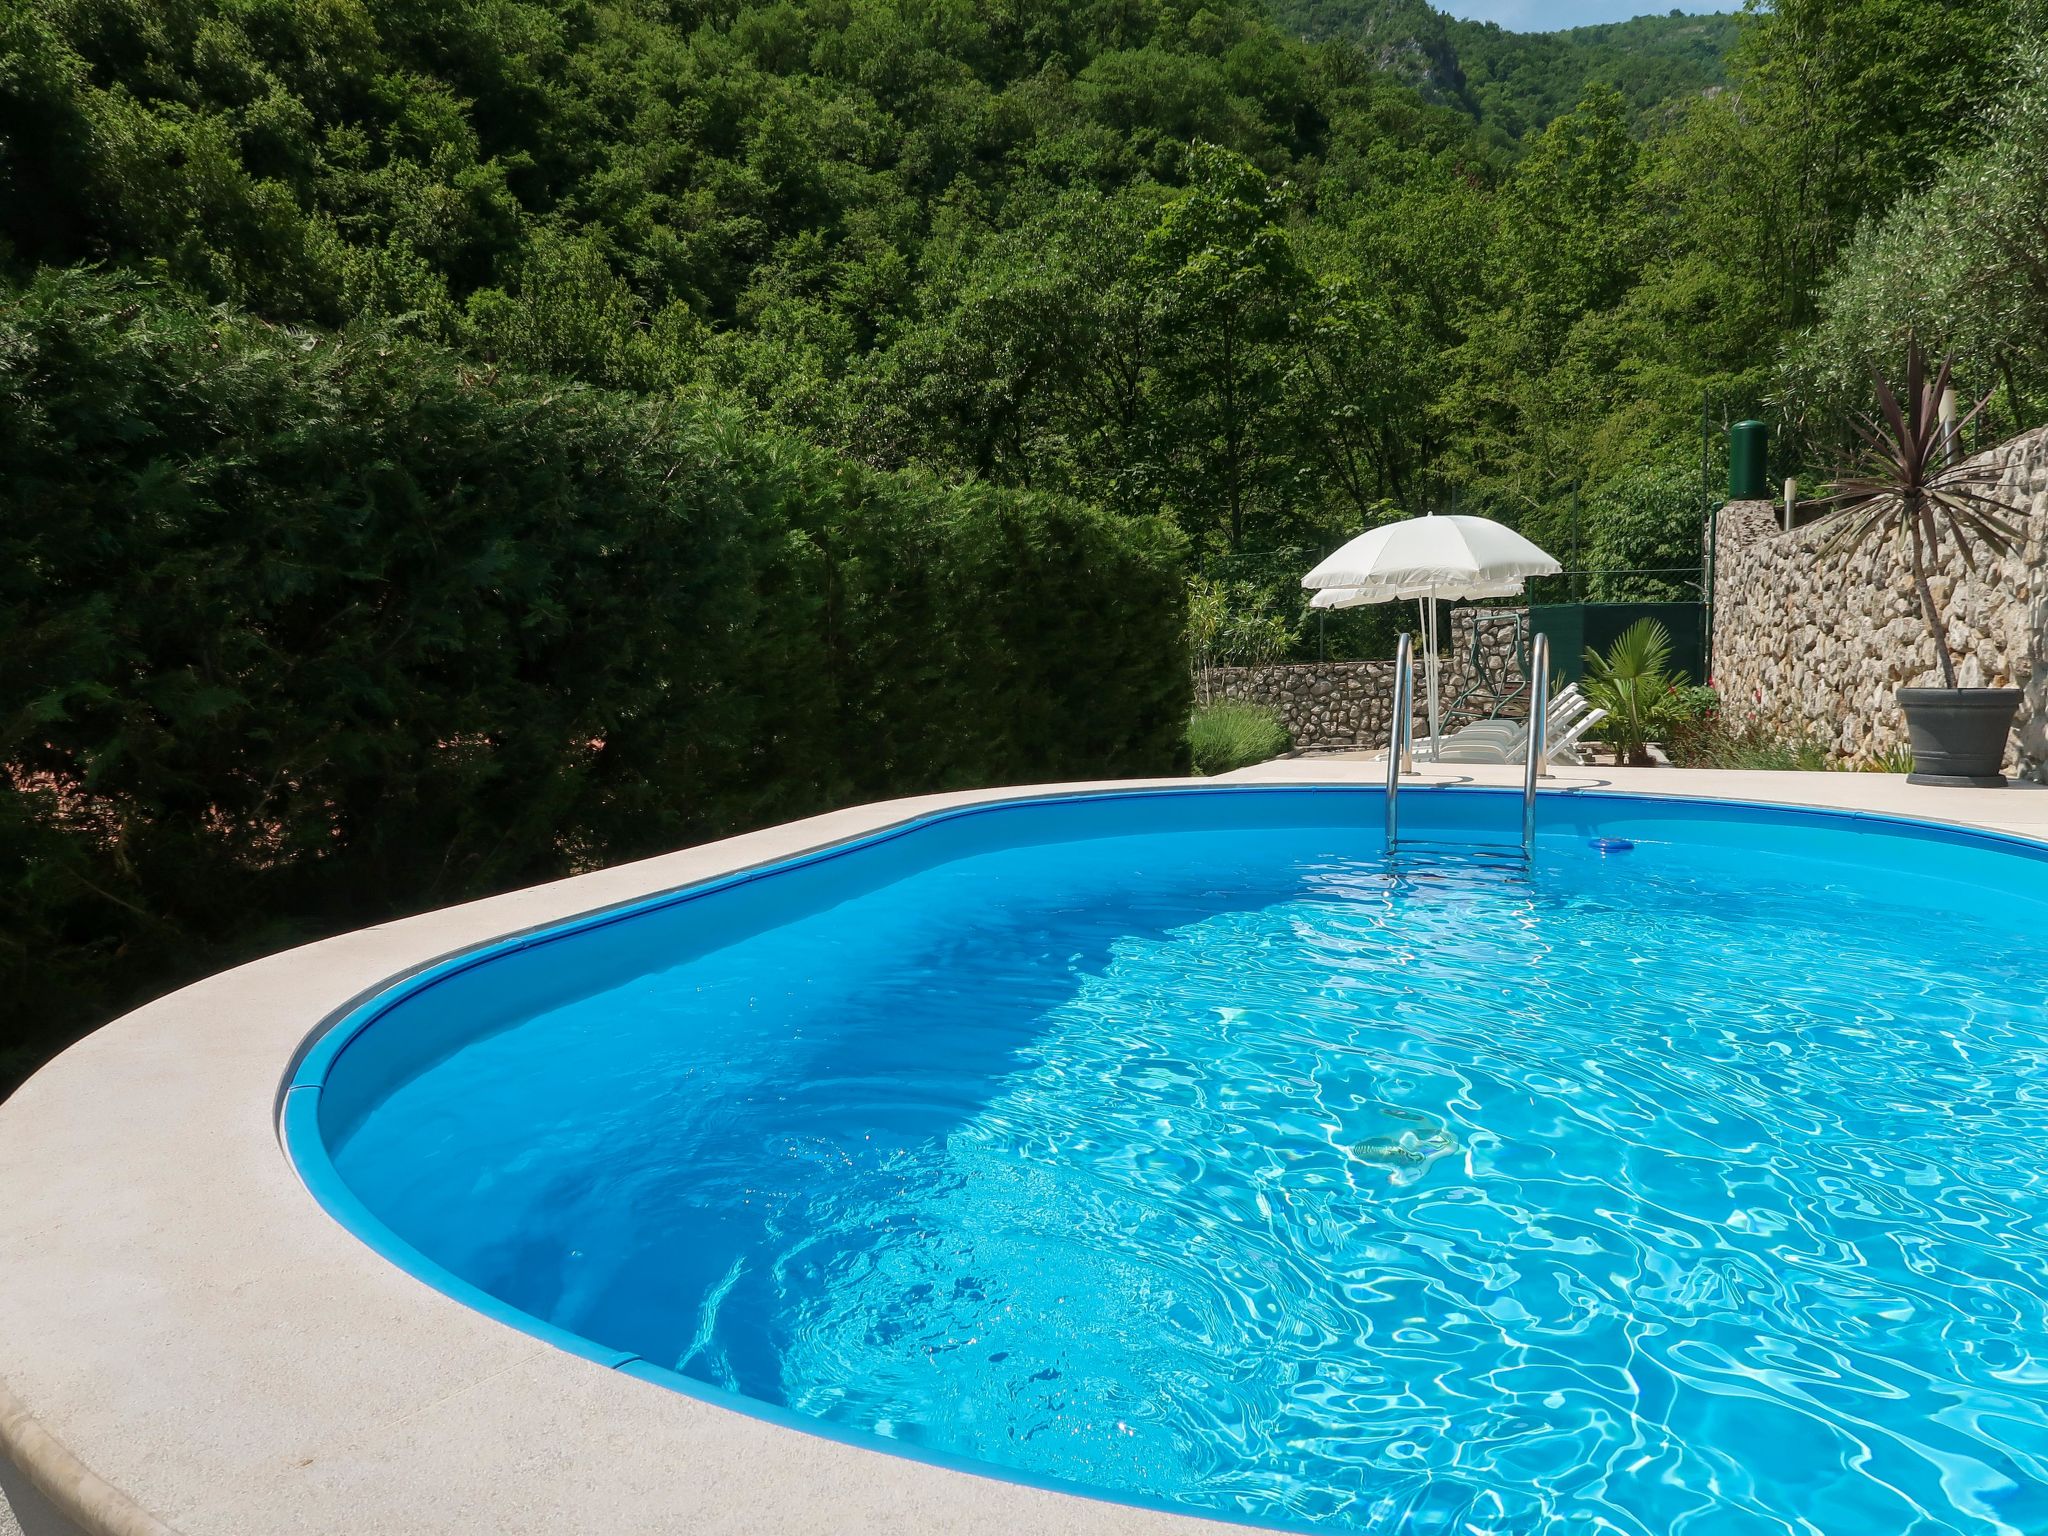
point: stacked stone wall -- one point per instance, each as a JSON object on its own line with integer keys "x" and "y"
{"x": 1350, "y": 703}
{"x": 1816, "y": 648}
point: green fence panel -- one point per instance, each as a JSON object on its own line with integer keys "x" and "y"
{"x": 1576, "y": 627}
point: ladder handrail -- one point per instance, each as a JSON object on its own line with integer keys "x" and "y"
{"x": 1538, "y": 749}
{"x": 1536, "y": 746}
{"x": 1401, "y": 731}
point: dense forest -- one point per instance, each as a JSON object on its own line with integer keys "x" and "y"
{"x": 1185, "y": 285}
{"x": 1164, "y": 257}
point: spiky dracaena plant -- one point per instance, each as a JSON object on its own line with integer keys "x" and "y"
{"x": 1905, "y": 495}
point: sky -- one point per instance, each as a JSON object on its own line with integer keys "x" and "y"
{"x": 1553, "y": 15}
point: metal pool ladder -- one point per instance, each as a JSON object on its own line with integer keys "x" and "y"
{"x": 1401, "y": 739}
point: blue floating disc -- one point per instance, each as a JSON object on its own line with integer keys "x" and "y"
{"x": 1613, "y": 844}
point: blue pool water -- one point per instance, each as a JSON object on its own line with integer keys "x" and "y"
{"x": 1181, "y": 1149}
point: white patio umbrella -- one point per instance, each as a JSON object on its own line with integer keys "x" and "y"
{"x": 1431, "y": 559}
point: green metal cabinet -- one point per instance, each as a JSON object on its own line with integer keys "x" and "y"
{"x": 1748, "y": 471}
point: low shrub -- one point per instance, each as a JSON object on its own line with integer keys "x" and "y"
{"x": 1229, "y": 734}
{"x": 1687, "y": 703}
{"x": 306, "y": 631}
{"x": 1700, "y": 733}
{"x": 1897, "y": 759}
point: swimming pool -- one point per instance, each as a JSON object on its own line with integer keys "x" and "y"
{"x": 1176, "y": 1148}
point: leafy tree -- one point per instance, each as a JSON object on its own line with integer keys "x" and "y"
{"x": 1566, "y": 247}
{"x": 1958, "y": 266}
{"x": 1839, "y": 107}
{"x": 1645, "y": 526}
{"x": 1225, "y": 284}
{"x": 1234, "y": 624}
{"x": 1570, "y": 223}
{"x": 1347, "y": 384}
{"x": 1033, "y": 362}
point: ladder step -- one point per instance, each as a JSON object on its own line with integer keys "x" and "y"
{"x": 1514, "y": 852}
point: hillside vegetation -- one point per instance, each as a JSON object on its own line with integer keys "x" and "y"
{"x": 1163, "y": 257}
{"x": 1515, "y": 83}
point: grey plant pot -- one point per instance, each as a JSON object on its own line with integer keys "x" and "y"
{"x": 1959, "y": 734}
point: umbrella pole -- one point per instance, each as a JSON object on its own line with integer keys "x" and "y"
{"x": 1436, "y": 724}
{"x": 1422, "y": 639}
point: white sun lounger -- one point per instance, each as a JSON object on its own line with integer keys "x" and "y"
{"x": 1561, "y": 747}
{"x": 1563, "y": 713}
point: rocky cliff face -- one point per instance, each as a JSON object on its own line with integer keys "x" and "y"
{"x": 1819, "y": 648}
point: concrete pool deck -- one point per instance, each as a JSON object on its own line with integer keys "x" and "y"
{"x": 190, "y": 1346}
{"x": 2020, "y": 808}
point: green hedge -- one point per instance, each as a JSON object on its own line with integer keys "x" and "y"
{"x": 304, "y": 631}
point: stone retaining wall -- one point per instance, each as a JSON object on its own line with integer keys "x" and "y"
{"x": 1817, "y": 649}
{"x": 1350, "y": 703}
{"x": 1324, "y": 703}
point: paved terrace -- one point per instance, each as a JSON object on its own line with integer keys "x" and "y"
{"x": 188, "y": 1344}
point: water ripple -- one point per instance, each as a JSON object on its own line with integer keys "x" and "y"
{"x": 1670, "y": 1196}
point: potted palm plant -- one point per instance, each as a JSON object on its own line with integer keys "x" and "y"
{"x": 1906, "y": 495}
